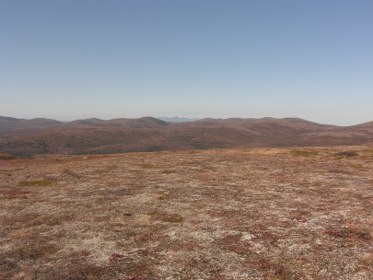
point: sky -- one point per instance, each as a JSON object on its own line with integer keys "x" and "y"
{"x": 73, "y": 59}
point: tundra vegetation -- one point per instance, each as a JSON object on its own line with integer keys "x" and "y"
{"x": 253, "y": 213}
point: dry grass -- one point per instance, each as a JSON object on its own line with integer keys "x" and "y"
{"x": 36, "y": 183}
{"x": 216, "y": 214}
{"x": 305, "y": 153}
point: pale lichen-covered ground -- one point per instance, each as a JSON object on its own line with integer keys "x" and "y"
{"x": 300, "y": 213}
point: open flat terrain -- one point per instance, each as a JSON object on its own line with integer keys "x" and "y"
{"x": 289, "y": 213}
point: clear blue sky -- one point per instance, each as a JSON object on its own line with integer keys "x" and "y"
{"x": 68, "y": 59}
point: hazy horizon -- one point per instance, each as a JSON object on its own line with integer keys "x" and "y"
{"x": 69, "y": 60}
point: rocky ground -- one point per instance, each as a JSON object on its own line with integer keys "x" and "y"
{"x": 300, "y": 213}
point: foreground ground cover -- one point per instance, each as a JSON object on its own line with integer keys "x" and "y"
{"x": 300, "y": 213}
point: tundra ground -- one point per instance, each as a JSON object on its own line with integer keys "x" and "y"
{"x": 299, "y": 213}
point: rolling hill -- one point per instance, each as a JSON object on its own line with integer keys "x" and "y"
{"x": 13, "y": 125}
{"x": 44, "y": 136}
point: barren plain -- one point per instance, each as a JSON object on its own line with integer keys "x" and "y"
{"x": 253, "y": 213}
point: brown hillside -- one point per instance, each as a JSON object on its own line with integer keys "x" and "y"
{"x": 150, "y": 134}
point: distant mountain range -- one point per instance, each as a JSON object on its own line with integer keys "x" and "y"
{"x": 45, "y": 136}
{"x": 177, "y": 119}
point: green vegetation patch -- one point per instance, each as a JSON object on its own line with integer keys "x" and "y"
{"x": 357, "y": 166}
{"x": 347, "y": 154}
{"x": 5, "y": 156}
{"x": 368, "y": 152}
{"x": 305, "y": 153}
{"x": 36, "y": 183}
{"x": 173, "y": 218}
{"x": 168, "y": 217}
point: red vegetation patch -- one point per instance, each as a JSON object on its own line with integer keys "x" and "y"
{"x": 115, "y": 256}
{"x": 272, "y": 270}
{"x": 349, "y": 233}
{"x": 14, "y": 193}
{"x": 136, "y": 278}
{"x": 233, "y": 243}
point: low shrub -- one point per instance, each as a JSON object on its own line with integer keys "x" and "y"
{"x": 5, "y": 156}
{"x": 305, "y": 153}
